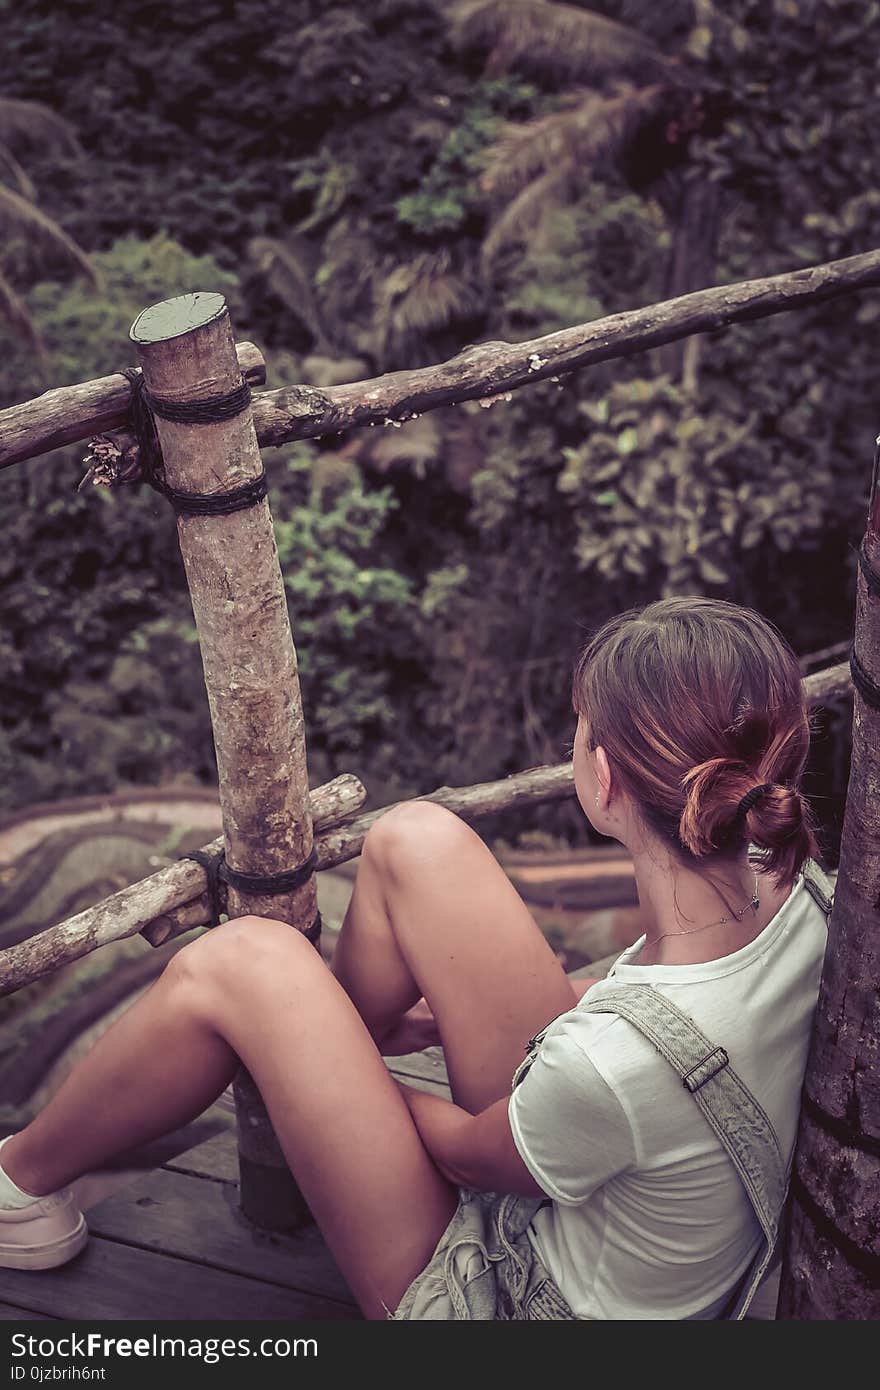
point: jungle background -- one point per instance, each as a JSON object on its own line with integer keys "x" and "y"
{"x": 375, "y": 187}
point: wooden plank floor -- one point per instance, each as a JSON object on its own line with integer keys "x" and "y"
{"x": 169, "y": 1242}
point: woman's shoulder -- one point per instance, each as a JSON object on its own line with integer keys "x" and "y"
{"x": 617, "y": 1049}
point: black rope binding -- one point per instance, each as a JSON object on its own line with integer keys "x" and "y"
{"x": 144, "y": 427}
{"x": 145, "y": 406}
{"x": 268, "y": 883}
{"x": 218, "y": 872}
{"x": 211, "y": 865}
{"x": 204, "y": 412}
{"x": 864, "y": 684}
{"x": 215, "y": 503}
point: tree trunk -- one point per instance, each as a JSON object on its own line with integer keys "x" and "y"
{"x": 691, "y": 267}
{"x": 831, "y": 1268}
{"x": 188, "y": 354}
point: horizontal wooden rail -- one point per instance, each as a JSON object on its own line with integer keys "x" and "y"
{"x": 174, "y": 900}
{"x": 72, "y": 414}
{"x": 482, "y": 372}
{"x": 132, "y": 909}
{"x": 487, "y": 371}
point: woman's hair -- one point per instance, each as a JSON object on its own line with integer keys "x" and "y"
{"x": 697, "y": 702}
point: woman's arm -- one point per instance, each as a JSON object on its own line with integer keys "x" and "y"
{"x": 474, "y": 1151}
{"x": 581, "y": 986}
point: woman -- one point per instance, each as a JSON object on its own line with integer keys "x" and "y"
{"x": 618, "y": 1201}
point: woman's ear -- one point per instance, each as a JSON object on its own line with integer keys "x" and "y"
{"x": 603, "y": 769}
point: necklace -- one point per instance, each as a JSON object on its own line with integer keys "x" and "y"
{"x": 753, "y": 903}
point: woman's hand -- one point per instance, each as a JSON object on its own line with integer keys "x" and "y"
{"x": 416, "y": 1030}
{"x": 473, "y": 1151}
{"x": 438, "y": 1121}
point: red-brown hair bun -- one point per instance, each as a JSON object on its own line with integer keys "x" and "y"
{"x": 699, "y": 706}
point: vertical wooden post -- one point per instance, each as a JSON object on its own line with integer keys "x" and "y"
{"x": 831, "y": 1268}
{"x": 187, "y": 352}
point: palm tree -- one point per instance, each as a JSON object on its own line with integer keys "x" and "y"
{"x": 352, "y": 296}
{"x": 630, "y": 106}
{"x": 537, "y": 37}
{"x": 353, "y": 299}
{"x": 30, "y": 241}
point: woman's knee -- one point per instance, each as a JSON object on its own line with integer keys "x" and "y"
{"x": 230, "y": 952}
{"x": 414, "y": 834}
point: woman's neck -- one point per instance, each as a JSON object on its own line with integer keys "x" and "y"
{"x": 682, "y": 909}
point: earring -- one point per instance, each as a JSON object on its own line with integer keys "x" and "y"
{"x": 597, "y": 798}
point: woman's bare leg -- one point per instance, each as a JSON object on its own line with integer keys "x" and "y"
{"x": 256, "y": 990}
{"x": 433, "y": 914}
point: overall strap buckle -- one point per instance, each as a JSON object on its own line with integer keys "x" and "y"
{"x": 709, "y": 1066}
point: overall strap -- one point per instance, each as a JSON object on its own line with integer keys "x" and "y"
{"x": 819, "y": 885}
{"x": 735, "y": 1116}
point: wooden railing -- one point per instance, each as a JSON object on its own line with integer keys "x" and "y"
{"x": 272, "y": 821}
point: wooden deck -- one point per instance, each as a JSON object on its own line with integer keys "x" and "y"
{"x": 168, "y": 1241}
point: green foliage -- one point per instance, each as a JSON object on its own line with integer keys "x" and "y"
{"x": 436, "y": 612}
{"x": 198, "y": 117}
{"x": 85, "y": 328}
{"x": 31, "y": 243}
{"x": 100, "y": 683}
{"x": 449, "y": 194}
{"x": 594, "y": 257}
{"x": 390, "y": 278}
{"x": 680, "y": 496}
{"x": 100, "y": 678}
{"x": 328, "y": 183}
{"x": 795, "y": 82}
{"x": 349, "y": 612}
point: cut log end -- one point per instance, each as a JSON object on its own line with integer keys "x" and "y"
{"x": 173, "y": 318}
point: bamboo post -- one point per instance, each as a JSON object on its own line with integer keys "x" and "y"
{"x": 831, "y": 1268}
{"x": 187, "y": 353}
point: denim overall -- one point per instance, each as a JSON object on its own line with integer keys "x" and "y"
{"x": 485, "y": 1266}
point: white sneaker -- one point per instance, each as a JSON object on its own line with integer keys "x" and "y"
{"x": 47, "y": 1232}
{"x": 42, "y": 1233}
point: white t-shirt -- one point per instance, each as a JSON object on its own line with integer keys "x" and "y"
{"x": 649, "y": 1218}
